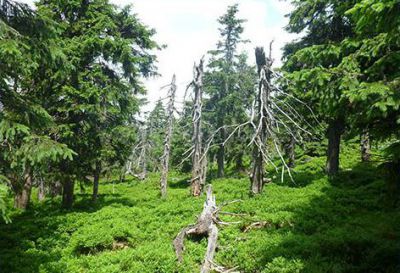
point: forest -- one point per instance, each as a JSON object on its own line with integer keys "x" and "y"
{"x": 260, "y": 167}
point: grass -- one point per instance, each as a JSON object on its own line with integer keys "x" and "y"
{"x": 346, "y": 224}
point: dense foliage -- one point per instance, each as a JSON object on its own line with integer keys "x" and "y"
{"x": 70, "y": 96}
{"x": 345, "y": 225}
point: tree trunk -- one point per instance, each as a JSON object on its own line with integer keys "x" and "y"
{"x": 221, "y": 155}
{"x": 68, "y": 193}
{"x": 257, "y": 175}
{"x": 365, "y": 146}
{"x": 41, "y": 190}
{"x": 23, "y": 196}
{"x": 167, "y": 140}
{"x": 96, "y": 178}
{"x": 290, "y": 152}
{"x": 335, "y": 131}
{"x": 199, "y": 160}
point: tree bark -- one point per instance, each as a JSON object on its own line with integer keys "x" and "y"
{"x": 167, "y": 140}
{"x": 365, "y": 146}
{"x": 41, "y": 190}
{"x": 96, "y": 178}
{"x": 68, "y": 193}
{"x": 205, "y": 226}
{"x": 221, "y": 155}
{"x": 290, "y": 152}
{"x": 199, "y": 160}
{"x": 23, "y": 196}
{"x": 257, "y": 177}
{"x": 335, "y": 131}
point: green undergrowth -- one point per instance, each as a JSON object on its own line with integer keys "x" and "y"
{"x": 342, "y": 224}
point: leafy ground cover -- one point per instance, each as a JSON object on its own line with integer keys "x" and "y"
{"x": 346, "y": 224}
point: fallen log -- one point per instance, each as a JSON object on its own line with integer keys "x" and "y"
{"x": 206, "y": 226}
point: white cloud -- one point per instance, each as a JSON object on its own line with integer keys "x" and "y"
{"x": 190, "y": 29}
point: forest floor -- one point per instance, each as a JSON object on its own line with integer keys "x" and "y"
{"x": 348, "y": 224}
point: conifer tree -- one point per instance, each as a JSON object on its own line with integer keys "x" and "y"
{"x": 222, "y": 80}
{"x": 107, "y": 51}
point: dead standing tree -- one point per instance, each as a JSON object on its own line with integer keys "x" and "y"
{"x": 272, "y": 114}
{"x": 258, "y": 176}
{"x": 138, "y": 157}
{"x": 199, "y": 158}
{"x": 168, "y": 136}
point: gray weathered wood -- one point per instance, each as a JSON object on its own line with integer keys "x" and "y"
{"x": 167, "y": 140}
{"x": 199, "y": 160}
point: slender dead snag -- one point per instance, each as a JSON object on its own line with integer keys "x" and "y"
{"x": 273, "y": 113}
{"x": 206, "y": 225}
{"x": 199, "y": 160}
{"x": 264, "y": 64}
{"x": 138, "y": 159}
{"x": 167, "y": 140}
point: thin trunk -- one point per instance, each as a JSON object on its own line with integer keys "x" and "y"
{"x": 167, "y": 141}
{"x": 365, "y": 146}
{"x": 199, "y": 162}
{"x": 258, "y": 175}
{"x": 22, "y": 197}
{"x": 335, "y": 131}
{"x": 68, "y": 193}
{"x": 290, "y": 152}
{"x": 41, "y": 190}
{"x": 221, "y": 156}
{"x": 96, "y": 178}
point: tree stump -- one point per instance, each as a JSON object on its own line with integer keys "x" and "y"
{"x": 206, "y": 226}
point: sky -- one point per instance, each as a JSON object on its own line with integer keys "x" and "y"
{"x": 189, "y": 28}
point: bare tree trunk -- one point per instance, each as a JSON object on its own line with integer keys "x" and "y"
{"x": 96, "y": 178}
{"x": 290, "y": 151}
{"x": 199, "y": 160}
{"x": 167, "y": 140}
{"x": 68, "y": 193}
{"x": 41, "y": 189}
{"x": 221, "y": 155}
{"x": 257, "y": 177}
{"x": 335, "y": 131}
{"x": 365, "y": 146}
{"x": 22, "y": 197}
